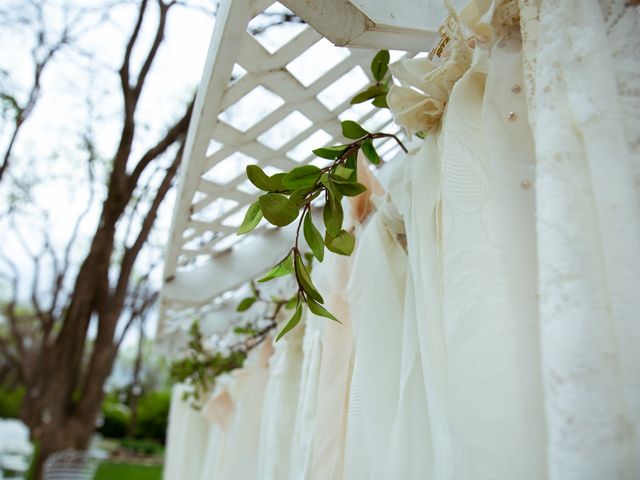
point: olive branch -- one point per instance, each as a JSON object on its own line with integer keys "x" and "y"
{"x": 289, "y": 196}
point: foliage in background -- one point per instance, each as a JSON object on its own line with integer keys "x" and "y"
{"x": 115, "y": 419}
{"x": 142, "y": 446}
{"x": 87, "y": 277}
{"x": 153, "y": 413}
{"x": 153, "y": 416}
{"x": 10, "y": 402}
{"x": 290, "y": 195}
{"x": 200, "y": 367}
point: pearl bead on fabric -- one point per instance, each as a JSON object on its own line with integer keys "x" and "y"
{"x": 512, "y": 117}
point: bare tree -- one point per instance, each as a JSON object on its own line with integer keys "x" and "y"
{"x": 47, "y": 45}
{"x": 47, "y": 343}
{"x": 46, "y": 340}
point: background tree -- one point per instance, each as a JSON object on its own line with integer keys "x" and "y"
{"x": 67, "y": 301}
{"x": 46, "y": 338}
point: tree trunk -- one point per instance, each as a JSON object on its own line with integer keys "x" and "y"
{"x": 135, "y": 388}
{"x": 61, "y": 422}
{"x": 57, "y": 436}
{"x": 58, "y": 408}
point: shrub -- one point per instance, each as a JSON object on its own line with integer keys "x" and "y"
{"x": 11, "y": 402}
{"x": 153, "y": 413}
{"x": 143, "y": 447}
{"x": 116, "y": 418}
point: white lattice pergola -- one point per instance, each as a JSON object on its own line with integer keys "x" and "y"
{"x": 269, "y": 98}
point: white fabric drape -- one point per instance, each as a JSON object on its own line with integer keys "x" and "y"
{"x": 280, "y": 401}
{"x": 467, "y": 201}
{"x": 237, "y": 457}
{"x": 585, "y": 89}
{"x": 376, "y": 296}
{"x": 501, "y": 341}
{"x": 334, "y": 376}
{"x": 187, "y": 436}
{"x": 305, "y": 412}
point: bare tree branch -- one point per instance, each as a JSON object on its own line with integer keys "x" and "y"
{"x": 58, "y": 284}
{"x": 128, "y": 51}
{"x": 178, "y": 130}
{"x": 153, "y": 50}
{"x": 39, "y": 65}
{"x": 131, "y": 253}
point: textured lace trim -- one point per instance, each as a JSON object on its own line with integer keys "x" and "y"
{"x": 419, "y": 99}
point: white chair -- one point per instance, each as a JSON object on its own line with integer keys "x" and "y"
{"x": 70, "y": 465}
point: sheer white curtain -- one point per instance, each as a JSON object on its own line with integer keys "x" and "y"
{"x": 305, "y": 412}
{"x": 376, "y": 298}
{"x": 467, "y": 201}
{"x": 187, "y": 436}
{"x": 280, "y": 402}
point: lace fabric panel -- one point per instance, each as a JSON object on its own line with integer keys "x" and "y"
{"x": 529, "y": 25}
{"x": 586, "y": 89}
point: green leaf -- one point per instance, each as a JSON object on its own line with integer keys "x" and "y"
{"x": 369, "y": 93}
{"x": 313, "y": 237}
{"x": 285, "y": 267}
{"x": 246, "y": 330}
{"x": 351, "y": 129}
{"x": 309, "y": 258}
{"x": 331, "y": 153}
{"x": 352, "y": 160}
{"x": 380, "y": 65}
{"x": 370, "y": 152}
{"x": 380, "y": 101}
{"x": 251, "y": 218}
{"x": 298, "y": 196}
{"x": 276, "y": 179}
{"x": 304, "y": 176}
{"x": 260, "y": 179}
{"x": 293, "y": 301}
{"x": 305, "y": 280}
{"x": 350, "y": 189}
{"x": 329, "y": 184}
{"x": 278, "y": 209}
{"x": 333, "y": 215}
{"x": 319, "y": 310}
{"x": 342, "y": 244}
{"x": 291, "y": 324}
{"x": 343, "y": 173}
{"x": 245, "y": 304}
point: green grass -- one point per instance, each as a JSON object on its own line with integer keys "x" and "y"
{"x": 128, "y": 471}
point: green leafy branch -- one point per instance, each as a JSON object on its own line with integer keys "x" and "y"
{"x": 202, "y": 365}
{"x": 289, "y": 196}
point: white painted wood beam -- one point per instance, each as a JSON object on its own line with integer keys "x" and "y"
{"x": 410, "y": 25}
